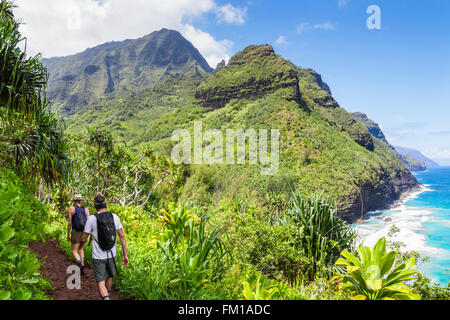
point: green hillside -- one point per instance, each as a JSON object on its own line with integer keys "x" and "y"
{"x": 323, "y": 147}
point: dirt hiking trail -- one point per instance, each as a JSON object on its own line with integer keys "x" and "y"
{"x": 54, "y": 268}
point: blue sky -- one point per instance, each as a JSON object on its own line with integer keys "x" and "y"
{"x": 399, "y": 75}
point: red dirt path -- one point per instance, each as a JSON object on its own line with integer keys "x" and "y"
{"x": 54, "y": 268}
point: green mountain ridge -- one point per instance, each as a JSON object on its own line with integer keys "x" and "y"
{"x": 409, "y": 160}
{"x": 414, "y": 154}
{"x": 120, "y": 68}
{"x": 323, "y": 147}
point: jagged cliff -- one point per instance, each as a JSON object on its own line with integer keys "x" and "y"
{"x": 412, "y": 163}
{"x": 377, "y": 196}
{"x": 371, "y": 125}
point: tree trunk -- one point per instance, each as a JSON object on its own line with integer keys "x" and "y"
{"x": 98, "y": 169}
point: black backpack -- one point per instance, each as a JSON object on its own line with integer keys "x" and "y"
{"x": 106, "y": 230}
{"x": 79, "y": 220}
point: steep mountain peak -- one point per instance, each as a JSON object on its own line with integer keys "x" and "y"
{"x": 250, "y": 73}
{"x": 120, "y": 67}
{"x": 251, "y": 54}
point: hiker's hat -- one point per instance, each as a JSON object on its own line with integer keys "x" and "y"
{"x": 78, "y": 197}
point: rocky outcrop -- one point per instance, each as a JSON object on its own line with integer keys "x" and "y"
{"x": 372, "y": 126}
{"x": 218, "y": 97}
{"x": 220, "y": 65}
{"x": 360, "y": 135}
{"x": 250, "y": 74}
{"x": 326, "y": 102}
{"x": 379, "y": 196}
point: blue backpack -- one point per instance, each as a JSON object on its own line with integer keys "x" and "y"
{"x": 79, "y": 220}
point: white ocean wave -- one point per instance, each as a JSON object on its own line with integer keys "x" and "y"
{"x": 423, "y": 188}
{"x": 409, "y": 220}
{"x": 441, "y": 222}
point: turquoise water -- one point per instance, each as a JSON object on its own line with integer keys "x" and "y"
{"x": 424, "y": 223}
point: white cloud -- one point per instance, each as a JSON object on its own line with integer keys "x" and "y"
{"x": 324, "y": 26}
{"x": 64, "y": 27}
{"x": 281, "y": 41}
{"x": 343, "y": 3}
{"x": 437, "y": 153}
{"x": 306, "y": 27}
{"x": 213, "y": 51}
{"x": 303, "y": 27}
{"x": 230, "y": 14}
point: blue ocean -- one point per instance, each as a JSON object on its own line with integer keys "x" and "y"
{"x": 424, "y": 223}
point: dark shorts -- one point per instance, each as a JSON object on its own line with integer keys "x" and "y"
{"x": 75, "y": 236}
{"x": 103, "y": 269}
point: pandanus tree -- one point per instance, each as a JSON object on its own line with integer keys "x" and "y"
{"x": 31, "y": 137}
{"x": 323, "y": 235}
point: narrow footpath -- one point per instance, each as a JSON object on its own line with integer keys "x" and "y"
{"x": 54, "y": 268}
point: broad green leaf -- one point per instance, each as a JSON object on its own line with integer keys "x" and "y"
{"x": 410, "y": 263}
{"x": 416, "y": 296}
{"x": 374, "y": 284}
{"x": 399, "y": 287}
{"x": 356, "y": 275}
{"x": 342, "y": 261}
{"x": 5, "y": 295}
{"x": 248, "y": 294}
{"x": 30, "y": 281}
{"x": 360, "y": 297}
{"x": 22, "y": 295}
{"x": 379, "y": 250}
{"x": 399, "y": 276}
{"x": 364, "y": 255}
{"x": 387, "y": 262}
{"x": 6, "y": 233}
{"x": 373, "y": 272}
{"x": 353, "y": 269}
{"x": 350, "y": 257}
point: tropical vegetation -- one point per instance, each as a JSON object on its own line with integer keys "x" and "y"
{"x": 197, "y": 232}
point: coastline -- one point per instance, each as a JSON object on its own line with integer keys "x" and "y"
{"x": 421, "y": 217}
{"x": 407, "y": 195}
{"x": 404, "y": 197}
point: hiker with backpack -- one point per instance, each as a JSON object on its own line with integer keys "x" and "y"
{"x": 104, "y": 226}
{"x": 78, "y": 216}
